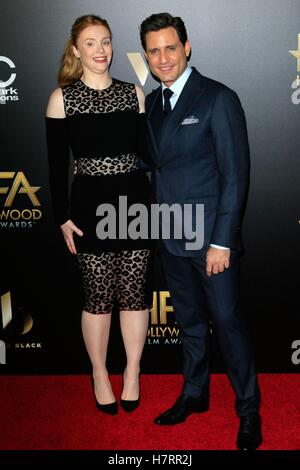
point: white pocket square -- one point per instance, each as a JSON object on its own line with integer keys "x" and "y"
{"x": 190, "y": 120}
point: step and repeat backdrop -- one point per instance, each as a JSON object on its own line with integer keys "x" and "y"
{"x": 251, "y": 46}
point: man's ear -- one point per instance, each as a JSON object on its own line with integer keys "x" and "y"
{"x": 187, "y": 48}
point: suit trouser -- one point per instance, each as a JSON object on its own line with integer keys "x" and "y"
{"x": 198, "y": 298}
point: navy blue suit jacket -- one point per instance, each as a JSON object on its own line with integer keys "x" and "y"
{"x": 204, "y": 161}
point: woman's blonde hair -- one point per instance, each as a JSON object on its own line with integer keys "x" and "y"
{"x": 71, "y": 68}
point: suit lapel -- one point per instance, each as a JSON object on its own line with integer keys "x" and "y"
{"x": 187, "y": 99}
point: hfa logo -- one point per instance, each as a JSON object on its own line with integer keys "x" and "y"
{"x": 163, "y": 328}
{"x": 8, "y": 94}
{"x": 296, "y": 83}
{"x": 16, "y": 187}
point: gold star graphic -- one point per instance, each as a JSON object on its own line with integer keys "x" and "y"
{"x": 296, "y": 54}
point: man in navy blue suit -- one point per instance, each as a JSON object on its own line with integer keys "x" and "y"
{"x": 198, "y": 147}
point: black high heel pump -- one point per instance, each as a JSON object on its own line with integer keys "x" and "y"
{"x": 110, "y": 408}
{"x": 129, "y": 405}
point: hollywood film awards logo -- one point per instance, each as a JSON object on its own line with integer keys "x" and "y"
{"x": 295, "y": 97}
{"x": 7, "y": 91}
{"x": 163, "y": 328}
{"x": 19, "y": 204}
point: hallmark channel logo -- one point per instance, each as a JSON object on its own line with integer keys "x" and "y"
{"x": 18, "y": 201}
{"x": 295, "y": 97}
{"x": 16, "y": 322}
{"x": 163, "y": 327}
{"x": 7, "y": 92}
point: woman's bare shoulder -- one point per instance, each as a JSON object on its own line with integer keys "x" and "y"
{"x": 55, "y": 108}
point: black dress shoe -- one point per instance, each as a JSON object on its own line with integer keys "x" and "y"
{"x": 182, "y": 408}
{"x": 249, "y": 435}
{"x": 129, "y": 405}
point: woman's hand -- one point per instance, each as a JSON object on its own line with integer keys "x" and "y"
{"x": 68, "y": 228}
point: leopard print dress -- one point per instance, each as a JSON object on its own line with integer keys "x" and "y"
{"x": 103, "y": 127}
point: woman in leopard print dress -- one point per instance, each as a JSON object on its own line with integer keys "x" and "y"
{"x": 98, "y": 118}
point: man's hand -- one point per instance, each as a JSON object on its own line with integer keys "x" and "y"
{"x": 217, "y": 260}
{"x": 67, "y": 229}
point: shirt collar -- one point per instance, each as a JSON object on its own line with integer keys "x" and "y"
{"x": 177, "y": 86}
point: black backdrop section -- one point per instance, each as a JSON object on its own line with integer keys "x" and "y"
{"x": 243, "y": 44}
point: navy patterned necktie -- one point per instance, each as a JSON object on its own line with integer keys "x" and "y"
{"x": 167, "y": 95}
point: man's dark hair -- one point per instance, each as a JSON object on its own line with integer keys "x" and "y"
{"x": 160, "y": 21}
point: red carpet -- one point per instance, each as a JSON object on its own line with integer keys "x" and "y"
{"x": 58, "y": 413}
